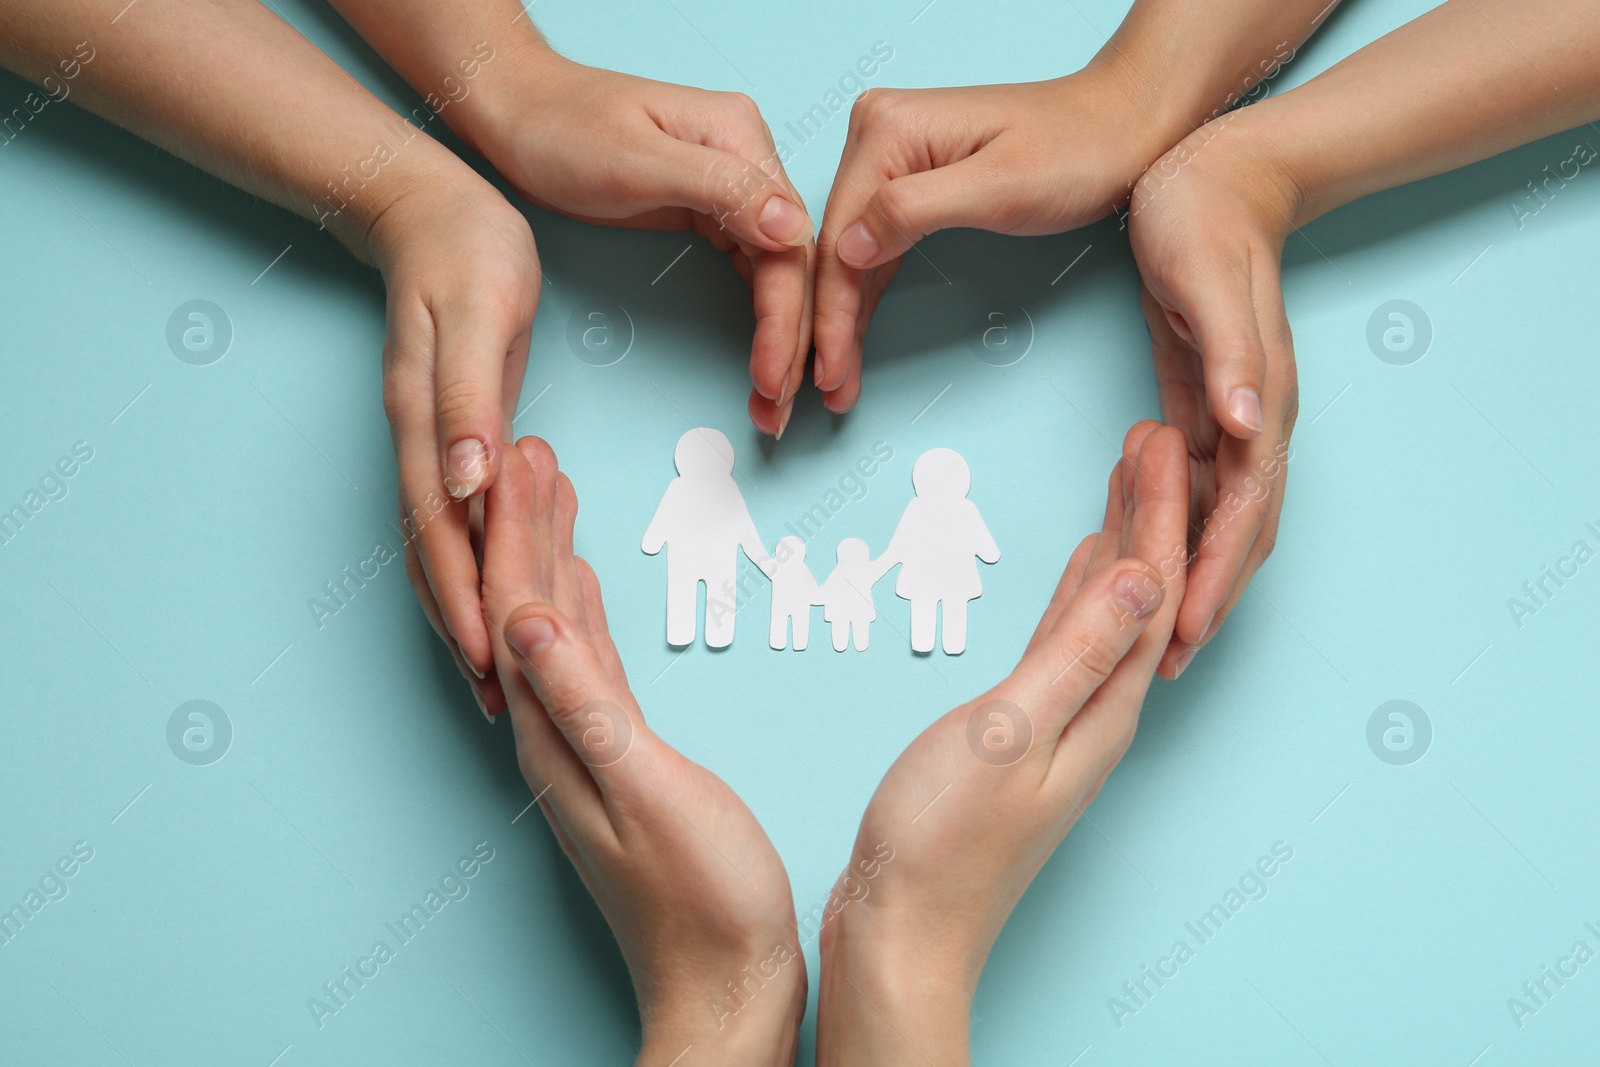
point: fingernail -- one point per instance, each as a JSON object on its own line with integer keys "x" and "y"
{"x": 784, "y": 222}
{"x": 531, "y": 635}
{"x": 783, "y": 420}
{"x": 1244, "y": 404}
{"x": 1206, "y": 629}
{"x": 816, "y": 371}
{"x": 467, "y": 463}
{"x": 1183, "y": 660}
{"x": 1137, "y": 594}
{"x": 857, "y": 246}
{"x": 482, "y": 706}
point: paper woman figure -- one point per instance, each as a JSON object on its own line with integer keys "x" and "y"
{"x": 939, "y": 535}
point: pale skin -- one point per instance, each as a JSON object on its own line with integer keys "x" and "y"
{"x": 1045, "y": 157}
{"x": 1208, "y": 222}
{"x": 1469, "y": 79}
{"x": 697, "y": 904}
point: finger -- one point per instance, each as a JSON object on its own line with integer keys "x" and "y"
{"x": 1226, "y": 561}
{"x": 594, "y": 614}
{"x": 516, "y": 550}
{"x": 1071, "y": 581}
{"x": 902, "y": 211}
{"x": 749, "y": 199}
{"x": 439, "y": 528}
{"x": 486, "y": 691}
{"x": 569, "y": 678}
{"x": 781, "y": 302}
{"x": 1211, "y": 305}
{"x": 1096, "y": 738}
{"x": 475, "y": 344}
{"x": 1087, "y": 641}
{"x": 840, "y": 288}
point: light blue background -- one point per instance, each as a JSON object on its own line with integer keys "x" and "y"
{"x": 179, "y": 566}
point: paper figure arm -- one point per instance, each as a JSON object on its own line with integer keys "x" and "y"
{"x": 986, "y": 549}
{"x": 655, "y": 535}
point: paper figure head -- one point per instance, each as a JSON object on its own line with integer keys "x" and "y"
{"x": 790, "y": 547}
{"x": 941, "y": 472}
{"x": 703, "y": 453}
{"x": 852, "y": 550}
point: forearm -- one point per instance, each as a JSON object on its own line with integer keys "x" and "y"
{"x": 1188, "y": 61}
{"x": 1465, "y": 81}
{"x": 465, "y": 57}
{"x": 230, "y": 87}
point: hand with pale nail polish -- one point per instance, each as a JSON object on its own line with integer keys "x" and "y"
{"x": 619, "y": 150}
{"x": 1207, "y": 229}
{"x": 973, "y": 808}
{"x": 692, "y": 888}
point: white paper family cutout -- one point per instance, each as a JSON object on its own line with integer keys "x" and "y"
{"x": 703, "y": 524}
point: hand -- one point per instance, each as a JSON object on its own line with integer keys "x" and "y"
{"x": 975, "y": 805}
{"x": 1207, "y": 223}
{"x": 1033, "y": 158}
{"x": 695, "y": 893}
{"x": 619, "y": 150}
{"x": 463, "y": 281}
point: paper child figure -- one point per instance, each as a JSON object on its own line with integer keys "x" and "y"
{"x": 938, "y": 536}
{"x": 703, "y": 523}
{"x": 847, "y": 594}
{"x": 794, "y": 591}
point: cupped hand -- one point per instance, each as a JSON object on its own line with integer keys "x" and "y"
{"x": 620, "y": 150}
{"x": 1026, "y": 159}
{"x": 463, "y": 282}
{"x": 691, "y": 886}
{"x": 1207, "y": 224}
{"x": 976, "y": 804}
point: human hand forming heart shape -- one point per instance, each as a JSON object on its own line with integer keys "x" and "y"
{"x": 691, "y": 886}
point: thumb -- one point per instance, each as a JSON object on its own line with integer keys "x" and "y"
{"x": 906, "y": 209}
{"x": 1086, "y": 643}
{"x": 1213, "y": 309}
{"x": 571, "y": 682}
{"x": 750, "y": 199}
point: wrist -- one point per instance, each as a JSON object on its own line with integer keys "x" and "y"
{"x": 893, "y": 995}
{"x": 749, "y": 1019}
{"x": 503, "y": 94}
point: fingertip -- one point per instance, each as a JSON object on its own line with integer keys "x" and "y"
{"x": 1242, "y": 412}
{"x": 858, "y": 246}
{"x": 1137, "y": 590}
{"x": 785, "y": 222}
{"x": 468, "y": 467}
{"x": 763, "y": 413}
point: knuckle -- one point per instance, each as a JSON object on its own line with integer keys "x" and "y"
{"x": 742, "y": 106}
{"x": 1096, "y": 660}
{"x": 460, "y": 403}
{"x": 403, "y": 395}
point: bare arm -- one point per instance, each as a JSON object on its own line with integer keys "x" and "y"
{"x": 230, "y": 87}
{"x": 1465, "y": 81}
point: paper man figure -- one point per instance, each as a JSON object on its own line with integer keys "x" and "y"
{"x": 703, "y": 523}
{"x": 794, "y": 591}
{"x": 847, "y": 594}
{"x": 938, "y": 536}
